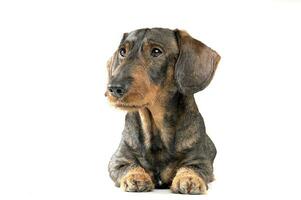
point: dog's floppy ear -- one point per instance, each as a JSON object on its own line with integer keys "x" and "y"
{"x": 196, "y": 64}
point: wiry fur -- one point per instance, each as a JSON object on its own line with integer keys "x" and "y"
{"x": 164, "y": 141}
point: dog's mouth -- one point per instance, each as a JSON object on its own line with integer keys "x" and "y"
{"x": 121, "y": 104}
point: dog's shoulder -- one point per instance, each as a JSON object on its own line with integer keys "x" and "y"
{"x": 190, "y": 129}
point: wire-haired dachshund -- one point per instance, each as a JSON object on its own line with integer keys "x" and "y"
{"x": 153, "y": 76}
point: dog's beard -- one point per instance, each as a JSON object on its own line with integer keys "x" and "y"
{"x": 129, "y": 107}
{"x": 129, "y": 102}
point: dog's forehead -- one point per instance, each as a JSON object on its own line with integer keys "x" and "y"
{"x": 136, "y": 35}
{"x": 166, "y": 37}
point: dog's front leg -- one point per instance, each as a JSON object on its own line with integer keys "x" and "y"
{"x": 130, "y": 177}
{"x": 188, "y": 181}
{"x": 127, "y": 173}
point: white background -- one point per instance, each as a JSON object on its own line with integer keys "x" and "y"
{"x": 57, "y": 131}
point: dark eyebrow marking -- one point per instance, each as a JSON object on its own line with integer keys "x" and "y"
{"x": 155, "y": 43}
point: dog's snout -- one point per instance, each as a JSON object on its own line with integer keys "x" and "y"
{"x": 116, "y": 90}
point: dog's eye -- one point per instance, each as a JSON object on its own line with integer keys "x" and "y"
{"x": 156, "y": 52}
{"x": 122, "y": 52}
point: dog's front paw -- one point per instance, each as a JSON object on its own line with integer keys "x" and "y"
{"x": 187, "y": 181}
{"x": 137, "y": 180}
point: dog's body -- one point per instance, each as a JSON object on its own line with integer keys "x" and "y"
{"x": 164, "y": 144}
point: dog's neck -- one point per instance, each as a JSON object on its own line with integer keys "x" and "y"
{"x": 161, "y": 117}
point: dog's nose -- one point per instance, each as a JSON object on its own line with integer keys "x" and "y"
{"x": 116, "y": 90}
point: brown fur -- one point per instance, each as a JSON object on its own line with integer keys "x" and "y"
{"x": 188, "y": 181}
{"x": 136, "y": 180}
{"x": 146, "y": 125}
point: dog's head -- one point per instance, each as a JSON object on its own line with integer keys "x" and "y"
{"x": 151, "y": 61}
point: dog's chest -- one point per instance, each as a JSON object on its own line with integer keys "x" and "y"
{"x": 160, "y": 157}
{"x": 158, "y": 141}
{"x": 158, "y": 149}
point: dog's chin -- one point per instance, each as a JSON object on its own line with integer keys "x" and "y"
{"x": 128, "y": 107}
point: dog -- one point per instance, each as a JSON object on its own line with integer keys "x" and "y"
{"x": 153, "y": 76}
